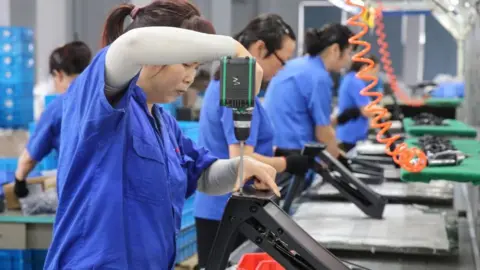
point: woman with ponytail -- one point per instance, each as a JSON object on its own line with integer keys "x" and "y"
{"x": 299, "y": 98}
{"x": 125, "y": 168}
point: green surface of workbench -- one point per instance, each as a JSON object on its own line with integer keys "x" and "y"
{"x": 452, "y": 128}
{"x": 444, "y": 102}
{"x": 467, "y": 171}
{"x": 17, "y": 217}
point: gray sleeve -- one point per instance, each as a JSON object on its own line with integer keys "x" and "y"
{"x": 160, "y": 46}
{"x": 220, "y": 177}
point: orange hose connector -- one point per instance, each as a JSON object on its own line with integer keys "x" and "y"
{"x": 387, "y": 62}
{"x": 409, "y": 159}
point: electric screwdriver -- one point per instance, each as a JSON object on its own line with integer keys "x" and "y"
{"x": 237, "y": 91}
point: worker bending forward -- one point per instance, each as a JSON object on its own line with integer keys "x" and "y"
{"x": 125, "y": 168}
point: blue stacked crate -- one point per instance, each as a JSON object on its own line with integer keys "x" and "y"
{"x": 50, "y": 162}
{"x": 190, "y": 129}
{"x": 187, "y": 238}
{"x": 15, "y": 260}
{"x": 17, "y": 76}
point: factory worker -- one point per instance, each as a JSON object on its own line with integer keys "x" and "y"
{"x": 125, "y": 168}
{"x": 272, "y": 42}
{"x": 349, "y": 97}
{"x": 66, "y": 63}
{"x": 299, "y": 97}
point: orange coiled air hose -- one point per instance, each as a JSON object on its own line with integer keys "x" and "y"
{"x": 387, "y": 62}
{"x": 410, "y": 159}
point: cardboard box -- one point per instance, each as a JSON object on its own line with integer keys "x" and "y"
{"x": 12, "y": 143}
{"x": 11, "y": 200}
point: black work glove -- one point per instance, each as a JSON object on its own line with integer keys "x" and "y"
{"x": 347, "y": 115}
{"x": 20, "y": 189}
{"x": 299, "y": 165}
{"x": 345, "y": 162}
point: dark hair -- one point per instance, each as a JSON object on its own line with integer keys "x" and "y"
{"x": 173, "y": 13}
{"x": 72, "y": 58}
{"x": 356, "y": 66}
{"x": 269, "y": 28}
{"x": 317, "y": 40}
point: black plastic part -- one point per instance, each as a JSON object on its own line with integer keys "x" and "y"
{"x": 354, "y": 190}
{"x": 254, "y": 215}
{"x": 294, "y": 190}
{"x": 369, "y": 168}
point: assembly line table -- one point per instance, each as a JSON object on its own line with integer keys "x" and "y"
{"x": 25, "y": 232}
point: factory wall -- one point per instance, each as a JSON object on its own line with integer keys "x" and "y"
{"x": 440, "y": 50}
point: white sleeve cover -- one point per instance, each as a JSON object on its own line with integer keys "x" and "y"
{"x": 160, "y": 46}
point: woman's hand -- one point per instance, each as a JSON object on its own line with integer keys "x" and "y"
{"x": 264, "y": 175}
{"x": 243, "y": 52}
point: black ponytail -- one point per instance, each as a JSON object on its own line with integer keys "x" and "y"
{"x": 317, "y": 40}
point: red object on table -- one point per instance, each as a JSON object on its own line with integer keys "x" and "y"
{"x": 258, "y": 261}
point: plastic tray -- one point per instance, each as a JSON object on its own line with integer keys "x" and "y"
{"x": 453, "y": 128}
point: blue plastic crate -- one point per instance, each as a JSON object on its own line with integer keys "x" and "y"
{"x": 171, "y": 108}
{"x": 15, "y": 33}
{"x": 190, "y": 129}
{"x": 19, "y": 70}
{"x": 50, "y": 162}
{"x": 188, "y": 220}
{"x": 49, "y": 99}
{"x": 15, "y": 260}
{"x": 186, "y": 244}
{"x": 19, "y": 63}
{"x": 10, "y": 104}
{"x": 16, "y": 118}
{"x": 14, "y": 48}
{"x": 38, "y": 257}
{"x": 9, "y": 76}
{"x": 31, "y": 128}
{"x": 8, "y": 164}
{"x": 19, "y": 90}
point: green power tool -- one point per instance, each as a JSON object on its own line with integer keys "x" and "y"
{"x": 237, "y": 91}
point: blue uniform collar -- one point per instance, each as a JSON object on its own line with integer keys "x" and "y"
{"x": 317, "y": 61}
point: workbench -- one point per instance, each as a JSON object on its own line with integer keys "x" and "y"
{"x": 442, "y": 107}
{"x": 18, "y": 232}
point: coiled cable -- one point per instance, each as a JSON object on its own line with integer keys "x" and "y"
{"x": 387, "y": 62}
{"x": 410, "y": 159}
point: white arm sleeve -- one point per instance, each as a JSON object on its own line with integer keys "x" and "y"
{"x": 160, "y": 46}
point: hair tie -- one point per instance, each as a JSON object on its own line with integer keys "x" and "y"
{"x": 134, "y": 12}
